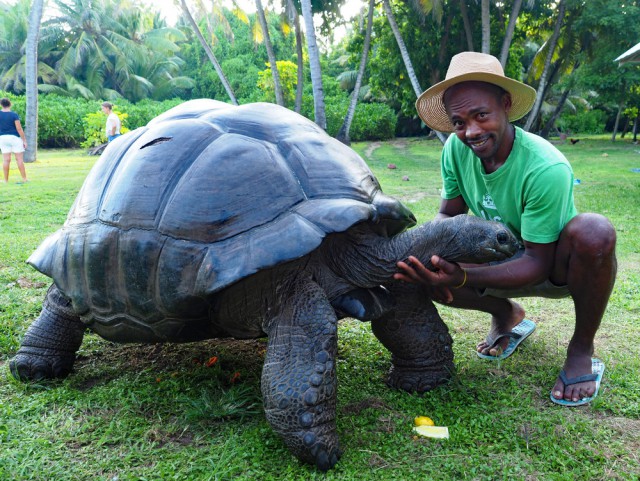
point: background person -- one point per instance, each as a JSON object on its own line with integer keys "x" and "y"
{"x": 12, "y": 140}
{"x": 501, "y": 172}
{"x": 113, "y": 125}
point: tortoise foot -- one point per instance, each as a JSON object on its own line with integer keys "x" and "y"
{"x": 323, "y": 451}
{"x": 417, "y": 380}
{"x": 30, "y": 366}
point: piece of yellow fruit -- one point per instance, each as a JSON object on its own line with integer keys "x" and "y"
{"x": 439, "y": 432}
{"x": 423, "y": 421}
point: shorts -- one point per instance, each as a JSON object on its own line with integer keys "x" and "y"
{"x": 545, "y": 289}
{"x": 112, "y": 137}
{"x": 11, "y": 143}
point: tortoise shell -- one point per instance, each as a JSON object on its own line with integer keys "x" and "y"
{"x": 203, "y": 196}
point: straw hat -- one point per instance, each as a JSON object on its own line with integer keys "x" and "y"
{"x": 472, "y": 66}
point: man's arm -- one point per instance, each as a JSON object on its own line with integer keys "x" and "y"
{"x": 452, "y": 208}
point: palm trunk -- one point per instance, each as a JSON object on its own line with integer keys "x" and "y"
{"x": 210, "y": 54}
{"x": 615, "y": 126}
{"x": 486, "y": 27}
{"x": 553, "y": 41}
{"x": 31, "y": 74}
{"x": 299, "y": 56}
{"x": 277, "y": 84}
{"x": 556, "y": 113}
{"x": 467, "y": 25}
{"x": 405, "y": 57}
{"x": 314, "y": 65}
{"x": 508, "y": 36}
{"x": 343, "y": 134}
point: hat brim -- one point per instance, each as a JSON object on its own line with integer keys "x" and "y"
{"x": 431, "y": 109}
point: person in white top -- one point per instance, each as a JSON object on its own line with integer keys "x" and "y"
{"x": 113, "y": 122}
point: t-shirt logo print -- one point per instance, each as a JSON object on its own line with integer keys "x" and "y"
{"x": 487, "y": 202}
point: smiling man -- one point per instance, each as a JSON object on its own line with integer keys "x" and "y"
{"x": 500, "y": 172}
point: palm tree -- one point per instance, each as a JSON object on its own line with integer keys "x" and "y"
{"x": 14, "y": 30}
{"x": 405, "y": 56}
{"x": 314, "y": 65}
{"x": 486, "y": 27}
{"x": 292, "y": 13}
{"x": 209, "y": 52}
{"x": 31, "y": 124}
{"x": 270, "y": 54}
{"x": 552, "y": 42}
{"x": 467, "y": 25}
{"x": 343, "y": 133}
{"x": 506, "y": 43}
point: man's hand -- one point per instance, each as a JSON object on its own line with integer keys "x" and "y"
{"x": 438, "y": 283}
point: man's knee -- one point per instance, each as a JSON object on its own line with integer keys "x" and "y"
{"x": 591, "y": 234}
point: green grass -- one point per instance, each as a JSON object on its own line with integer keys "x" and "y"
{"x": 137, "y": 412}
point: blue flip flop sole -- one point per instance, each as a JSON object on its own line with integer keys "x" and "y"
{"x": 597, "y": 368}
{"x": 521, "y": 332}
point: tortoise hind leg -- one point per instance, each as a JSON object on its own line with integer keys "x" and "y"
{"x": 49, "y": 347}
{"x": 419, "y": 341}
{"x": 299, "y": 374}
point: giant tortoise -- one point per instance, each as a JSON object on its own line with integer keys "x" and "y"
{"x": 248, "y": 221}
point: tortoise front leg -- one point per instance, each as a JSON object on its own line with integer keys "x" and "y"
{"x": 419, "y": 341}
{"x": 299, "y": 374}
{"x": 49, "y": 347}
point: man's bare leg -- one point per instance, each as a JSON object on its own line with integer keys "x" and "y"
{"x": 586, "y": 263}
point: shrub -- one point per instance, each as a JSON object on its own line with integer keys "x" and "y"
{"x": 587, "y": 122}
{"x": 94, "y": 128}
{"x": 372, "y": 121}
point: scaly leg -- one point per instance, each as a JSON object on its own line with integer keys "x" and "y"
{"x": 419, "y": 341}
{"x": 49, "y": 347}
{"x": 299, "y": 374}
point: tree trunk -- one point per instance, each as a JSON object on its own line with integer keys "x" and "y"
{"x": 314, "y": 65}
{"x": 486, "y": 27}
{"x": 277, "y": 84}
{"x": 635, "y": 129}
{"x": 299, "y": 55}
{"x": 405, "y": 56}
{"x": 343, "y": 134}
{"x": 547, "y": 63}
{"x": 467, "y": 25}
{"x": 615, "y": 126}
{"x": 508, "y": 36}
{"x": 31, "y": 82}
{"x": 556, "y": 113}
{"x": 210, "y": 54}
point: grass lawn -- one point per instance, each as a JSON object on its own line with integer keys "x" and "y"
{"x": 140, "y": 412}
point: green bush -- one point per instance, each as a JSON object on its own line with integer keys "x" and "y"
{"x": 372, "y": 121}
{"x": 94, "y": 128}
{"x": 587, "y": 122}
{"x": 73, "y": 122}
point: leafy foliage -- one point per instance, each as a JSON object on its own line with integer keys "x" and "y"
{"x": 94, "y": 128}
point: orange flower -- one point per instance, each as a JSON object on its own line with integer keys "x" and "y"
{"x": 235, "y": 377}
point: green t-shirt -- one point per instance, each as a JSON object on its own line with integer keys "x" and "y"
{"x": 531, "y": 193}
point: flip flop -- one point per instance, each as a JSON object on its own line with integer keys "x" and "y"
{"x": 597, "y": 371}
{"x": 517, "y": 335}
